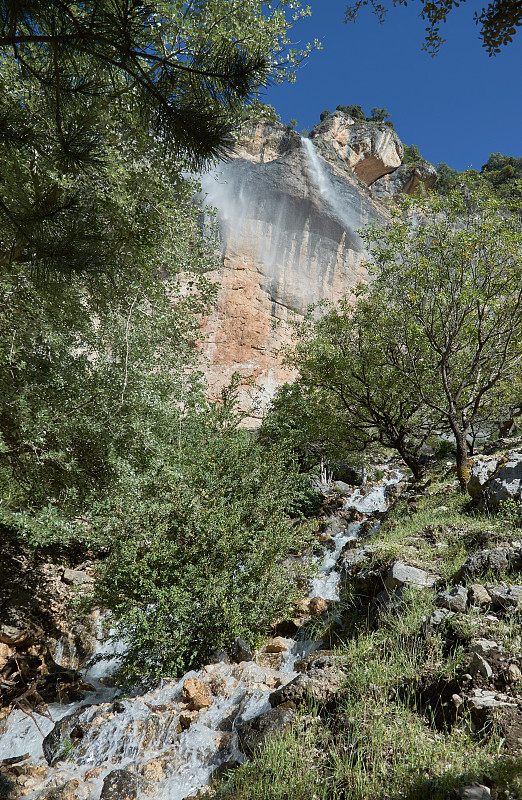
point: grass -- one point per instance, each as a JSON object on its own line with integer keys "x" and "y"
{"x": 379, "y": 743}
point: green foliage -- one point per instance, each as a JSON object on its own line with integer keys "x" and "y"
{"x": 197, "y": 547}
{"x": 504, "y": 173}
{"x": 379, "y": 114}
{"x": 411, "y": 154}
{"x": 323, "y": 115}
{"x": 498, "y": 21}
{"x": 353, "y": 111}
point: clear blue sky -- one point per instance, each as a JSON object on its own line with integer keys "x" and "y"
{"x": 458, "y": 107}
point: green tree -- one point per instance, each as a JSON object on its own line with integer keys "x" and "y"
{"x": 379, "y": 114}
{"x": 447, "y": 282}
{"x": 498, "y": 21}
{"x": 411, "y": 154}
{"x": 353, "y": 389}
{"x": 353, "y": 111}
{"x": 198, "y": 547}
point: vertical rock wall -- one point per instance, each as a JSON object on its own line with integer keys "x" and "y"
{"x": 288, "y": 223}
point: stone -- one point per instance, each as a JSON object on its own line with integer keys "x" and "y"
{"x": 400, "y": 575}
{"x": 196, "y": 694}
{"x": 278, "y": 645}
{"x": 406, "y": 179}
{"x": 514, "y": 673}
{"x": 240, "y": 651}
{"x": 479, "y": 666}
{"x": 66, "y": 732}
{"x": 478, "y": 595}
{"x": 120, "y": 784}
{"x": 342, "y": 487}
{"x": 496, "y": 559}
{"x": 77, "y": 577}
{"x": 496, "y": 478}
{"x": 505, "y": 597}
{"x": 489, "y": 699}
{"x": 457, "y": 700}
{"x": 253, "y": 734}
{"x": 454, "y": 599}
{"x": 317, "y": 606}
{"x": 186, "y": 718}
{"x": 475, "y": 791}
{"x": 484, "y": 646}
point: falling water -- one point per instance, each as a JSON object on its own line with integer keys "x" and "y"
{"x": 146, "y": 733}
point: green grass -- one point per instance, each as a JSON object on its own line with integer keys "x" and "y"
{"x": 379, "y": 744}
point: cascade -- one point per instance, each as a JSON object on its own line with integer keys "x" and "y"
{"x": 169, "y": 752}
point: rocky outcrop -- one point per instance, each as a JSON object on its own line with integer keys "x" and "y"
{"x": 406, "y": 179}
{"x": 288, "y": 222}
{"x": 370, "y": 149}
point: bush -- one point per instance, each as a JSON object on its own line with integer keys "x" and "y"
{"x": 197, "y": 549}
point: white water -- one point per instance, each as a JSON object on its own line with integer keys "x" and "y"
{"x": 144, "y": 734}
{"x": 321, "y": 176}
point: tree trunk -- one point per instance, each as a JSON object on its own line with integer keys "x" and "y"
{"x": 409, "y": 459}
{"x": 462, "y": 459}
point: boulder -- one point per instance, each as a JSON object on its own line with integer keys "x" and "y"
{"x": 240, "y": 651}
{"x": 278, "y": 645}
{"x": 253, "y": 734}
{"x": 478, "y": 595}
{"x": 400, "y": 575}
{"x": 495, "y": 479}
{"x": 59, "y": 742}
{"x": 479, "y": 666}
{"x": 475, "y": 791}
{"x": 77, "y": 577}
{"x": 455, "y": 599}
{"x": 505, "y": 597}
{"x": 120, "y": 784}
{"x": 496, "y": 559}
{"x": 196, "y": 694}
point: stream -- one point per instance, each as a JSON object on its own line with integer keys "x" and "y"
{"x": 169, "y": 750}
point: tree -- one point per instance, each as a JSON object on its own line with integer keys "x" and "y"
{"x": 448, "y": 284}
{"x": 498, "y": 21}
{"x": 351, "y": 373}
{"x": 75, "y": 77}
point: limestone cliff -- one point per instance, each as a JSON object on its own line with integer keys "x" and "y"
{"x": 288, "y": 211}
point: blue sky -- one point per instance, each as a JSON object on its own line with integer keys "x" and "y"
{"x": 458, "y": 107}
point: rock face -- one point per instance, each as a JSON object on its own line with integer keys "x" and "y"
{"x": 288, "y": 222}
{"x": 406, "y": 179}
{"x": 495, "y": 479}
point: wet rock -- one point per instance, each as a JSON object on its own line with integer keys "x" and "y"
{"x": 186, "y": 718}
{"x": 240, "y": 651}
{"x": 455, "y": 599}
{"x": 400, "y": 575}
{"x": 475, "y": 791}
{"x": 319, "y": 680}
{"x": 120, "y": 784}
{"x": 196, "y": 694}
{"x": 227, "y": 723}
{"x": 278, "y": 645}
{"x": 59, "y": 742}
{"x": 505, "y": 597}
{"x": 69, "y": 791}
{"x": 479, "y": 596}
{"x": 479, "y": 666}
{"x": 253, "y": 734}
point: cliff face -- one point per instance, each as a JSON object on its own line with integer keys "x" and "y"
{"x": 288, "y": 222}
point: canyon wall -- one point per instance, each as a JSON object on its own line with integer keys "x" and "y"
{"x": 288, "y": 211}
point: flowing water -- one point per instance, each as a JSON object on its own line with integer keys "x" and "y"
{"x": 169, "y": 754}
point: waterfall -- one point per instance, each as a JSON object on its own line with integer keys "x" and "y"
{"x": 321, "y": 177}
{"x": 170, "y": 753}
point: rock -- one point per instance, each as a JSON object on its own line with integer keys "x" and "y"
{"x": 489, "y": 699}
{"x": 253, "y": 734}
{"x": 497, "y": 559}
{"x": 68, "y": 791}
{"x": 284, "y": 246}
{"x": 389, "y": 600}
{"x": 475, "y": 791}
{"x": 478, "y": 595}
{"x": 77, "y": 577}
{"x": 186, "y": 718}
{"x": 342, "y": 487}
{"x": 120, "y": 784}
{"x": 457, "y": 700}
{"x": 317, "y": 606}
{"x": 435, "y": 619}
{"x": 484, "y": 646}
{"x": 371, "y": 149}
{"x": 240, "y": 651}
{"x": 65, "y": 734}
{"x": 505, "y": 597}
{"x": 455, "y": 599}
{"x": 479, "y": 666}
{"x": 227, "y": 723}
{"x": 19, "y": 615}
{"x": 514, "y": 673}
{"x": 406, "y": 179}
{"x": 196, "y": 694}
{"x": 278, "y": 645}
{"x": 494, "y": 479}
{"x": 400, "y": 575}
